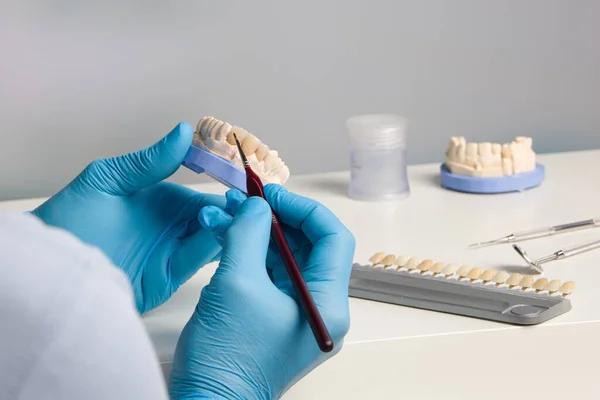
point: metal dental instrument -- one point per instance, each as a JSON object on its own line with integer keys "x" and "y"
{"x": 568, "y": 252}
{"x": 541, "y": 232}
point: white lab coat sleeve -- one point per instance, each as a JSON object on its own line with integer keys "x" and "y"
{"x": 69, "y": 328}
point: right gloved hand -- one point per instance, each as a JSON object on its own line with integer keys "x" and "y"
{"x": 248, "y": 337}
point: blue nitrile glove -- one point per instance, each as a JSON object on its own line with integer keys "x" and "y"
{"x": 148, "y": 228}
{"x": 248, "y": 338}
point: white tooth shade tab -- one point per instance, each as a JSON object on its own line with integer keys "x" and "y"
{"x": 553, "y": 286}
{"x": 526, "y": 282}
{"x": 487, "y": 275}
{"x": 218, "y": 137}
{"x": 388, "y": 260}
{"x": 567, "y": 287}
{"x": 500, "y": 277}
{"x": 412, "y": 263}
{"x": 514, "y": 280}
{"x": 450, "y": 269}
{"x": 402, "y": 260}
{"x": 463, "y": 271}
{"x": 377, "y": 257}
{"x": 425, "y": 266}
{"x": 437, "y": 267}
{"x": 540, "y": 284}
{"x": 474, "y": 274}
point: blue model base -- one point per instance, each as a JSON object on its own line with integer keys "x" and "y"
{"x": 503, "y": 184}
{"x": 218, "y": 168}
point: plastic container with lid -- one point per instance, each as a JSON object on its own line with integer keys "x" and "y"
{"x": 378, "y": 157}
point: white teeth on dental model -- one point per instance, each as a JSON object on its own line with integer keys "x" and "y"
{"x": 218, "y": 137}
{"x": 567, "y": 288}
{"x": 513, "y": 280}
{"x": 490, "y": 159}
{"x": 500, "y": 278}
{"x": 221, "y": 134}
{"x": 272, "y": 161}
{"x": 487, "y": 276}
{"x": 402, "y": 260}
{"x": 238, "y": 131}
{"x": 540, "y": 284}
{"x": 250, "y": 145}
{"x": 262, "y": 152}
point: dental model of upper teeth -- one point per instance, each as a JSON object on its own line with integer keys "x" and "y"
{"x": 487, "y": 160}
{"x": 217, "y": 137}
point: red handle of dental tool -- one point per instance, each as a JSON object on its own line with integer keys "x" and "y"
{"x": 254, "y": 187}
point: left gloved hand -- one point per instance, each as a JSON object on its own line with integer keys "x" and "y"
{"x": 148, "y": 228}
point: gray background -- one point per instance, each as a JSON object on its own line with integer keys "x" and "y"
{"x": 81, "y": 81}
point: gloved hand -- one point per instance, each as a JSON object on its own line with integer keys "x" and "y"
{"x": 148, "y": 228}
{"x": 248, "y": 338}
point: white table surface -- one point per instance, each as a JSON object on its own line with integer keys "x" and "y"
{"x": 394, "y": 352}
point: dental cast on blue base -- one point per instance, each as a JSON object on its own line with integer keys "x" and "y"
{"x": 502, "y": 184}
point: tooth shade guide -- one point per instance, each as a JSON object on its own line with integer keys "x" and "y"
{"x": 472, "y": 276}
{"x": 425, "y": 291}
{"x": 465, "y": 273}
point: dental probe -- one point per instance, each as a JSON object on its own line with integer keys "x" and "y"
{"x": 541, "y": 232}
{"x": 560, "y": 254}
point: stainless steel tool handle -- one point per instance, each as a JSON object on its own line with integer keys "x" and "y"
{"x": 582, "y": 248}
{"x": 588, "y": 223}
{"x": 563, "y": 228}
{"x": 531, "y": 234}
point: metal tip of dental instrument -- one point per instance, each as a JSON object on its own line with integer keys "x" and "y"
{"x": 528, "y": 260}
{"x": 242, "y": 155}
{"x": 505, "y": 239}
